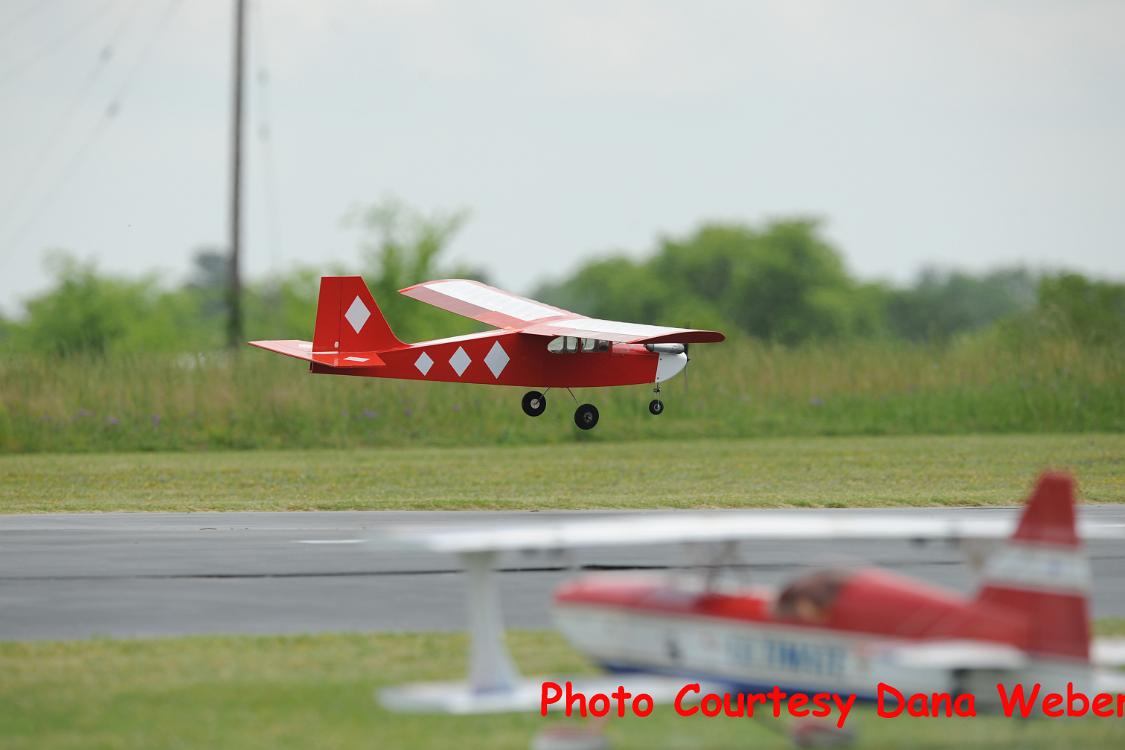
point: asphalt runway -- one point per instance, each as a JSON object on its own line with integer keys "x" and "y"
{"x": 161, "y": 574}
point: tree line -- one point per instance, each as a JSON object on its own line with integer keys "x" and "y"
{"x": 782, "y": 282}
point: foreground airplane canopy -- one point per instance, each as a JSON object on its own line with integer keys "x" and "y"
{"x": 501, "y": 309}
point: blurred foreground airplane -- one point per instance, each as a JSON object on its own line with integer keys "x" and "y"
{"x": 532, "y": 345}
{"x": 840, "y": 631}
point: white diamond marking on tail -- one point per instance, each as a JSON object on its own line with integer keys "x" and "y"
{"x": 357, "y": 314}
{"x": 497, "y": 359}
{"x": 424, "y": 363}
{"x": 459, "y": 361}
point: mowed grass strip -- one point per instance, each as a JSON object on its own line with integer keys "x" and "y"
{"x": 779, "y": 472}
{"x": 317, "y": 691}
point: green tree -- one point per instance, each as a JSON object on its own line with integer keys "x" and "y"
{"x": 401, "y": 246}
{"x": 1075, "y": 306}
{"x": 88, "y": 312}
{"x": 941, "y": 304}
{"x": 783, "y": 283}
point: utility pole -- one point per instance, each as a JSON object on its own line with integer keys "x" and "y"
{"x": 234, "y": 292}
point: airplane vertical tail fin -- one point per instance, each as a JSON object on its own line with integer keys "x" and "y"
{"x": 348, "y": 320}
{"x": 1043, "y": 573}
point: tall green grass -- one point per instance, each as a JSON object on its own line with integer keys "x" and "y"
{"x": 738, "y": 389}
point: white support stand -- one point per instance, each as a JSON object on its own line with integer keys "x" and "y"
{"x": 490, "y": 665}
{"x": 494, "y": 684}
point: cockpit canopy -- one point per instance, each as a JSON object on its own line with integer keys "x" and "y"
{"x": 573, "y": 345}
{"x": 810, "y": 598}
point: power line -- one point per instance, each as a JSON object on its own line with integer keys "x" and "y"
{"x": 57, "y": 41}
{"x": 266, "y": 138}
{"x": 23, "y": 17}
{"x": 77, "y": 103}
{"x": 64, "y": 178}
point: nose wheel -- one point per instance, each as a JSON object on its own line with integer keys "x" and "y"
{"x": 586, "y": 416}
{"x": 535, "y": 403}
{"x": 656, "y": 407}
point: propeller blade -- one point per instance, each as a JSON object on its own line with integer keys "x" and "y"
{"x": 687, "y": 348}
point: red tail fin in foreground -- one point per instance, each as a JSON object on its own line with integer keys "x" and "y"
{"x": 1042, "y": 572}
{"x": 348, "y": 320}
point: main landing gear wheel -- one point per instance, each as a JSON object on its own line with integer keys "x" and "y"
{"x": 535, "y": 403}
{"x": 656, "y": 407}
{"x": 586, "y": 416}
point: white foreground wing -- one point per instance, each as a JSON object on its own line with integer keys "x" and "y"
{"x": 1108, "y": 652}
{"x": 669, "y": 528}
{"x": 1106, "y": 681}
{"x": 961, "y": 654}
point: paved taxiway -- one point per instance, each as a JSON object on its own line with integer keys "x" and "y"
{"x": 120, "y": 574}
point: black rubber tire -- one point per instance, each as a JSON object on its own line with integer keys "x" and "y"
{"x": 534, "y": 403}
{"x": 586, "y": 416}
{"x": 656, "y": 407}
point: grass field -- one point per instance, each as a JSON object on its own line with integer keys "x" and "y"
{"x": 794, "y": 472}
{"x": 316, "y": 691}
{"x": 737, "y": 389}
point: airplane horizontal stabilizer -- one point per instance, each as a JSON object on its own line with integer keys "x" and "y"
{"x": 303, "y": 350}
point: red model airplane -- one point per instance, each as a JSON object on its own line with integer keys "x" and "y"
{"x": 533, "y": 345}
{"x": 842, "y": 632}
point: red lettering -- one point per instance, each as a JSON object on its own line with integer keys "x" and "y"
{"x": 797, "y": 705}
{"x": 1071, "y": 696}
{"x": 1051, "y": 705}
{"x": 1103, "y": 705}
{"x": 621, "y": 695}
{"x": 550, "y": 693}
{"x": 916, "y": 705}
{"x": 642, "y": 712}
{"x": 739, "y": 709}
{"x": 823, "y": 707}
{"x": 880, "y": 701}
{"x": 599, "y": 698}
{"x": 965, "y": 705}
{"x": 777, "y": 696}
{"x": 677, "y": 705}
{"x": 845, "y": 708}
{"x": 571, "y": 698}
{"x": 1017, "y": 701}
{"x": 714, "y": 700}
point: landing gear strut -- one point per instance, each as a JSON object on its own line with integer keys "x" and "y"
{"x": 586, "y": 416}
{"x": 534, "y": 403}
{"x": 656, "y": 406}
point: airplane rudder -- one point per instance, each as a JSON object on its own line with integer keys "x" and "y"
{"x": 326, "y": 332}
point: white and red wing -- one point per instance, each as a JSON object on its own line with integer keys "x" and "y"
{"x": 496, "y": 307}
{"x": 485, "y": 303}
{"x": 622, "y": 333}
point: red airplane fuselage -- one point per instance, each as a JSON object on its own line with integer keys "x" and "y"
{"x": 508, "y": 358}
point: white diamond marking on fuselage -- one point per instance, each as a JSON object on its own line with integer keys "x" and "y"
{"x": 424, "y": 363}
{"x": 497, "y": 359}
{"x": 357, "y": 314}
{"x": 459, "y": 361}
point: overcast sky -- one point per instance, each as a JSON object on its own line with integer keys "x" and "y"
{"x": 959, "y": 134}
